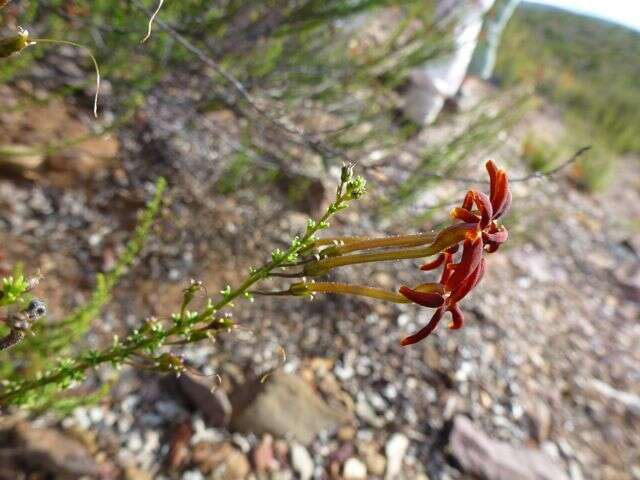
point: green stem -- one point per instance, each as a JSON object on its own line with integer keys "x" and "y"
{"x": 323, "y": 266}
{"x": 120, "y": 352}
{"x": 360, "y": 290}
{"x": 446, "y": 238}
{"x": 365, "y": 243}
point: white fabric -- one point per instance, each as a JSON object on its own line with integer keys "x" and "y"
{"x": 442, "y": 77}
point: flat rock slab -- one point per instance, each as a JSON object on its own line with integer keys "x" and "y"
{"x": 284, "y": 406}
{"x": 490, "y": 459}
{"x": 212, "y": 402}
{"x": 54, "y": 453}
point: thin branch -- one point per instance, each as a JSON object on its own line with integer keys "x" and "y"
{"x": 553, "y": 171}
{"x": 531, "y": 176}
{"x": 240, "y": 90}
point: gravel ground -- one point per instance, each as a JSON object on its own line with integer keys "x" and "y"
{"x": 549, "y": 357}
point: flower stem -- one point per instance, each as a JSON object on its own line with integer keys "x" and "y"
{"x": 365, "y": 243}
{"x": 360, "y": 290}
{"x": 75, "y": 367}
{"x": 445, "y": 239}
{"x": 323, "y": 266}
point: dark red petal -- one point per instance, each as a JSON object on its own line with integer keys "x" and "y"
{"x": 500, "y": 198}
{"x": 491, "y": 248}
{"x": 425, "y": 331}
{"x": 471, "y": 257}
{"x": 498, "y": 237}
{"x": 486, "y": 209}
{"x": 464, "y": 215}
{"x": 426, "y": 299}
{"x": 433, "y": 264}
{"x": 507, "y": 203}
{"x": 492, "y": 169}
{"x": 461, "y": 290}
{"x": 457, "y": 318}
{"x": 452, "y": 249}
{"x": 467, "y": 203}
{"x": 448, "y": 267}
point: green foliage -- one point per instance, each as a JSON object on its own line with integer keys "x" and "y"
{"x": 13, "y": 289}
{"x": 80, "y": 320}
{"x": 538, "y": 154}
{"x": 45, "y": 389}
{"x": 595, "y": 171}
{"x": 588, "y": 66}
{"x": 50, "y": 340}
{"x": 301, "y": 56}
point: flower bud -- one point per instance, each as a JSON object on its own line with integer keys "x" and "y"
{"x": 15, "y": 44}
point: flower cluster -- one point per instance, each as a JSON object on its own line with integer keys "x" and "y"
{"x": 481, "y": 233}
{"x": 476, "y": 229}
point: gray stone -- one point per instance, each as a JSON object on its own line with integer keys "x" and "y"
{"x": 214, "y": 404}
{"x": 54, "y": 452}
{"x": 490, "y": 459}
{"x": 395, "y": 450}
{"x": 284, "y": 406}
{"x": 629, "y": 401}
{"x": 354, "y": 469}
{"x": 301, "y": 461}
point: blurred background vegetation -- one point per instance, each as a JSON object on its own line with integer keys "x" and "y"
{"x": 324, "y": 64}
{"x": 249, "y": 108}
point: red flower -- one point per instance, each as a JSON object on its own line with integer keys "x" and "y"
{"x": 479, "y": 231}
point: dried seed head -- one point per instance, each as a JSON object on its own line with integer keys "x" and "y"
{"x": 36, "y": 309}
{"x": 15, "y": 44}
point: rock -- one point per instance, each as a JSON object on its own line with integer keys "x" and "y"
{"x": 237, "y": 466}
{"x": 88, "y": 157}
{"x": 214, "y": 404}
{"x": 281, "y": 450}
{"x": 179, "y": 445}
{"x": 374, "y": 460}
{"x": 480, "y": 455}
{"x": 367, "y": 413}
{"x": 284, "y": 406}
{"x": 19, "y": 158}
{"x": 629, "y": 401}
{"x": 540, "y": 420}
{"x": 354, "y": 469}
{"x": 346, "y": 433}
{"x": 50, "y": 124}
{"x": 53, "y": 452}
{"x": 222, "y": 460}
{"x": 342, "y": 453}
{"x": 306, "y": 193}
{"x": 301, "y": 461}
{"x": 263, "y": 456}
{"x": 132, "y": 472}
{"x": 395, "y": 450}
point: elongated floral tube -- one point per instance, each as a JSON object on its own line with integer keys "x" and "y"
{"x": 364, "y": 243}
{"x": 445, "y": 239}
{"x": 347, "y": 289}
